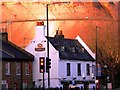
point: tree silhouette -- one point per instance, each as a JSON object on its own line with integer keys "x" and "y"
{"x": 109, "y": 57}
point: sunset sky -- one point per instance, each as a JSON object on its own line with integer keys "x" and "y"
{"x": 75, "y": 18}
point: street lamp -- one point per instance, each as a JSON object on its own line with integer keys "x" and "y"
{"x": 47, "y": 6}
{"x": 97, "y": 46}
{"x": 97, "y": 54}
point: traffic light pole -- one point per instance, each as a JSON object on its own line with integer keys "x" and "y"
{"x": 42, "y": 69}
{"x": 43, "y": 75}
{"x": 48, "y": 45}
{"x": 48, "y": 36}
{"x": 43, "y": 81}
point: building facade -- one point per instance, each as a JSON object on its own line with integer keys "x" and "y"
{"x": 71, "y": 64}
{"x": 16, "y": 65}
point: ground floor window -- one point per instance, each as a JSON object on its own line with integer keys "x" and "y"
{"x": 4, "y": 85}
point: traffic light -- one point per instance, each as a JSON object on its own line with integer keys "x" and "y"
{"x": 42, "y": 65}
{"x": 48, "y": 64}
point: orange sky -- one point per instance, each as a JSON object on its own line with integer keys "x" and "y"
{"x": 98, "y": 14}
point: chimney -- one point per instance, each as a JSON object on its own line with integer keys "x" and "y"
{"x": 59, "y": 34}
{"x": 3, "y": 34}
{"x": 38, "y": 40}
{"x": 39, "y": 31}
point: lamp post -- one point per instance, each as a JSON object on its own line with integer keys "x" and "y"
{"x": 97, "y": 46}
{"x": 47, "y": 17}
{"x": 96, "y": 53}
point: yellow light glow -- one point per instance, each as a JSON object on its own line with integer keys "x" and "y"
{"x": 41, "y": 63}
{"x": 41, "y": 59}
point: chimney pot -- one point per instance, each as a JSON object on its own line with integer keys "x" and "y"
{"x": 59, "y": 34}
{"x": 3, "y": 34}
{"x": 41, "y": 23}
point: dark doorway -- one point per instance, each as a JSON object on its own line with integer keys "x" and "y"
{"x": 65, "y": 86}
{"x": 86, "y": 86}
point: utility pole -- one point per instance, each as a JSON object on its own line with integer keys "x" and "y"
{"x": 47, "y": 18}
{"x": 97, "y": 76}
{"x": 48, "y": 44}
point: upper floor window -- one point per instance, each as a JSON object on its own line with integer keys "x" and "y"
{"x": 27, "y": 70}
{"x": 62, "y": 48}
{"x": 68, "y": 69}
{"x": 7, "y": 68}
{"x": 88, "y": 69}
{"x": 18, "y": 70}
{"x": 79, "y": 69}
{"x": 83, "y": 50}
{"x": 73, "y": 49}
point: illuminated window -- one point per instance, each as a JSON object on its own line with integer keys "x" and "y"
{"x": 27, "y": 71}
{"x": 83, "y": 50}
{"x": 62, "y": 48}
{"x": 18, "y": 70}
{"x": 73, "y": 49}
{"x": 68, "y": 69}
{"x": 8, "y": 68}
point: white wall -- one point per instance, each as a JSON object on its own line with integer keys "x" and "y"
{"x": 54, "y": 56}
{"x": 91, "y": 86}
{"x": 39, "y": 38}
{"x": 58, "y": 67}
{"x": 73, "y": 66}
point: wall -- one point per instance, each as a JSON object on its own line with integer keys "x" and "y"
{"x": 73, "y": 63}
{"x": 13, "y": 78}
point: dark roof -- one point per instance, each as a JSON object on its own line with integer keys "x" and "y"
{"x": 9, "y": 51}
{"x": 79, "y": 54}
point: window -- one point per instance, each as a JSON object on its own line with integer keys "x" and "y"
{"x": 68, "y": 69}
{"x": 18, "y": 70}
{"x": 27, "y": 71}
{"x": 73, "y": 49}
{"x": 93, "y": 69}
{"x": 88, "y": 69}
{"x": 62, "y": 48}
{"x": 4, "y": 85}
{"x": 8, "y": 68}
{"x": 79, "y": 69}
{"x": 83, "y": 50}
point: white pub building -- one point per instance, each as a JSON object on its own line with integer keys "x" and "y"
{"x": 72, "y": 62}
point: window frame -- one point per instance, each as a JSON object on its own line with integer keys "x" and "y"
{"x": 7, "y": 68}
{"x": 83, "y": 49}
{"x": 62, "y": 48}
{"x": 73, "y": 49}
{"x": 27, "y": 69}
{"x": 18, "y": 68}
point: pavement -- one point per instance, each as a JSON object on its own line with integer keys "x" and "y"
{"x": 104, "y": 88}
{"x": 117, "y": 88}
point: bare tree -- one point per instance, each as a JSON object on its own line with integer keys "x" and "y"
{"x": 110, "y": 57}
